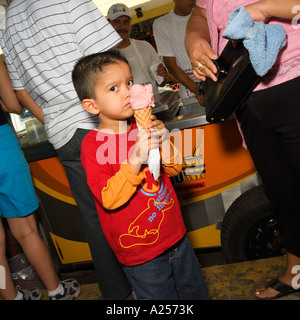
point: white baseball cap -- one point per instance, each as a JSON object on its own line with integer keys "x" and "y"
{"x": 118, "y": 10}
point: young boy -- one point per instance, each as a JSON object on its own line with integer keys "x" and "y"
{"x": 140, "y": 216}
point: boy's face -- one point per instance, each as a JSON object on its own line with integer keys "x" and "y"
{"x": 112, "y": 92}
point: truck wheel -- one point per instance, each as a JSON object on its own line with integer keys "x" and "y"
{"x": 250, "y": 228}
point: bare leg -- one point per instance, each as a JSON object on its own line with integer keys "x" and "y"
{"x": 10, "y": 291}
{"x": 26, "y": 233}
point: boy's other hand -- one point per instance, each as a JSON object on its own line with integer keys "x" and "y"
{"x": 158, "y": 129}
{"x": 145, "y": 141}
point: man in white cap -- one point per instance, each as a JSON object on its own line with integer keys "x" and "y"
{"x": 146, "y": 65}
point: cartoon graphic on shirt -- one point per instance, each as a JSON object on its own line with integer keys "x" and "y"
{"x": 144, "y": 230}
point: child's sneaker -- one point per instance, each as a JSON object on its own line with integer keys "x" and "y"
{"x": 71, "y": 290}
{"x": 33, "y": 294}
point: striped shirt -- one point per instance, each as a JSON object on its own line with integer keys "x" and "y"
{"x": 41, "y": 41}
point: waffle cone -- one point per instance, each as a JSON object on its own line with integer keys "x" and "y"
{"x": 142, "y": 116}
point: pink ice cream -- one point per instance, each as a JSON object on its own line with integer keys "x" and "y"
{"x": 142, "y": 101}
{"x": 141, "y": 96}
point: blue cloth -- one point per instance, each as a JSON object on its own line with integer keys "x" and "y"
{"x": 173, "y": 275}
{"x": 263, "y": 41}
{"x": 17, "y": 195}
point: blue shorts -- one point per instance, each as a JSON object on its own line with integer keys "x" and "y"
{"x": 17, "y": 195}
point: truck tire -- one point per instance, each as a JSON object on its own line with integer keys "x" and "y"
{"x": 250, "y": 228}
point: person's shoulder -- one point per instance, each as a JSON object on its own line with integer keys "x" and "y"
{"x": 167, "y": 18}
{"x": 91, "y": 133}
{"x": 142, "y": 44}
{"x": 88, "y": 146}
{"x": 89, "y": 139}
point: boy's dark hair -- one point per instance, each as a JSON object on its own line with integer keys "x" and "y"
{"x": 86, "y": 71}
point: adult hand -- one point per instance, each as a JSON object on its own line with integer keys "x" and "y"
{"x": 200, "y": 99}
{"x": 201, "y": 55}
{"x": 162, "y": 71}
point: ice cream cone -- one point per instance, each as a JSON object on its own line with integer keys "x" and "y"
{"x": 142, "y": 101}
{"x": 142, "y": 116}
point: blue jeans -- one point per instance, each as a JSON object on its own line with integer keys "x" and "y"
{"x": 111, "y": 279}
{"x": 173, "y": 275}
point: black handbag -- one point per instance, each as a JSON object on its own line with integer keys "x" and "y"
{"x": 236, "y": 80}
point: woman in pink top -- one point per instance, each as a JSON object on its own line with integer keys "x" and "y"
{"x": 271, "y": 120}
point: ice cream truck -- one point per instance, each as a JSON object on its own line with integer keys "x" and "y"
{"x": 221, "y": 196}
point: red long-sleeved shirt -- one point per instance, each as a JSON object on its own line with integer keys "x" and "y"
{"x": 140, "y": 217}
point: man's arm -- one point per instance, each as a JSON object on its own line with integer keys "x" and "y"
{"x": 27, "y": 102}
{"x": 179, "y": 74}
{"x": 182, "y": 77}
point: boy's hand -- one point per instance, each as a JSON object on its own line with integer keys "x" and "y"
{"x": 155, "y": 123}
{"x": 158, "y": 129}
{"x": 145, "y": 141}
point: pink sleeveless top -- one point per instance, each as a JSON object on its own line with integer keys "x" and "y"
{"x": 287, "y": 65}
